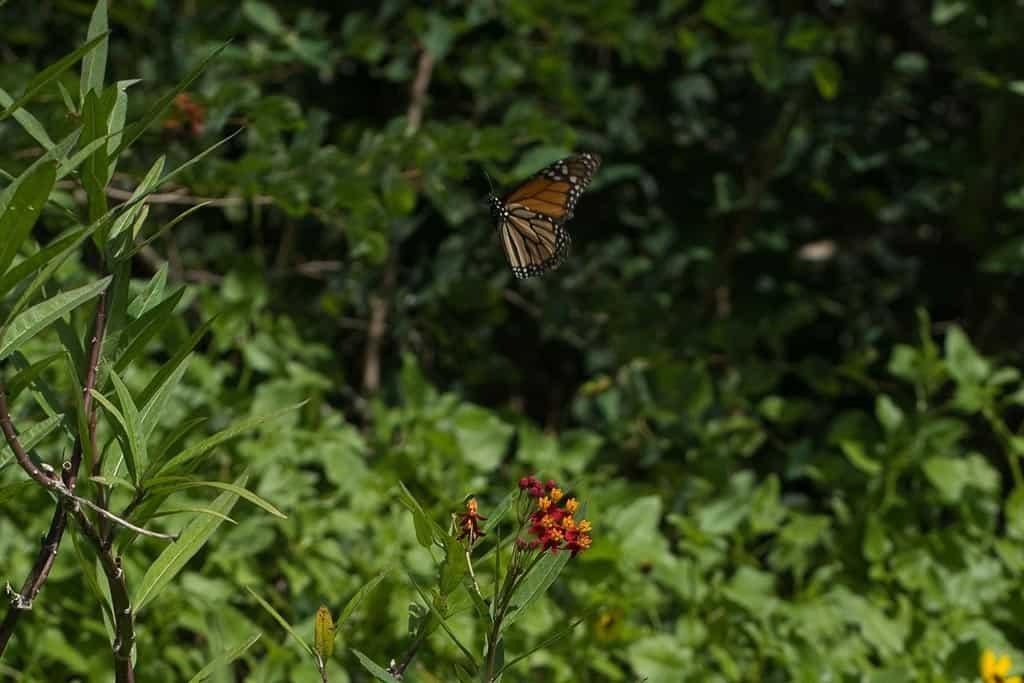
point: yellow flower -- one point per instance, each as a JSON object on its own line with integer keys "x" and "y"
{"x": 995, "y": 670}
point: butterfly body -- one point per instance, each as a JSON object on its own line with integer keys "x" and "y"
{"x": 531, "y": 218}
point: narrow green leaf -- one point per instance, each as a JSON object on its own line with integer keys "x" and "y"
{"x": 535, "y": 585}
{"x": 190, "y": 455}
{"x": 122, "y": 434}
{"x": 58, "y": 249}
{"x": 31, "y": 437}
{"x": 544, "y": 644}
{"x": 164, "y": 229}
{"x": 18, "y": 488}
{"x": 375, "y": 671}
{"x": 163, "y": 512}
{"x": 281, "y": 620}
{"x": 160, "y": 106}
{"x": 78, "y": 158}
{"x": 22, "y": 380}
{"x": 158, "y": 489}
{"x": 138, "y": 333}
{"x": 50, "y": 73}
{"x": 28, "y": 324}
{"x": 175, "y": 556}
{"x": 167, "y": 369}
{"x": 150, "y": 295}
{"x": 223, "y": 659}
{"x": 94, "y": 64}
{"x": 56, "y": 153}
{"x": 356, "y": 599}
{"x": 21, "y": 213}
{"x": 138, "y": 459}
{"x": 29, "y": 123}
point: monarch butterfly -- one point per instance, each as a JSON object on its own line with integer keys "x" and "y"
{"x": 531, "y": 218}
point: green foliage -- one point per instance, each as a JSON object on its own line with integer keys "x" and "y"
{"x": 781, "y": 365}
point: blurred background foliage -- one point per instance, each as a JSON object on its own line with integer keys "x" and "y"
{"x": 779, "y": 366}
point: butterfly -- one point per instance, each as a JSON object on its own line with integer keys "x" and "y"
{"x": 531, "y": 218}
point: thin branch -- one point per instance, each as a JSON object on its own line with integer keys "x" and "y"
{"x": 418, "y": 91}
{"x": 47, "y": 554}
{"x": 103, "y": 512}
{"x": 179, "y": 197}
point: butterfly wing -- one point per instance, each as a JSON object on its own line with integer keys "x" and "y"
{"x": 531, "y": 218}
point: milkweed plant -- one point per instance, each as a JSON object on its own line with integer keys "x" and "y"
{"x": 497, "y": 576}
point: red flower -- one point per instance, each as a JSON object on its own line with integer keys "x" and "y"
{"x": 469, "y": 522}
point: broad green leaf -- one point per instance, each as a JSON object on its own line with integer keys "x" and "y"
{"x": 175, "y": 556}
{"x": 854, "y": 452}
{"x": 827, "y": 76}
{"x": 135, "y": 131}
{"x": 32, "y": 321}
{"x": 158, "y": 489}
{"x": 50, "y": 73}
{"x": 191, "y": 455}
{"x": 22, "y": 211}
{"x": 966, "y": 365}
{"x": 281, "y": 620}
{"x": 94, "y": 64}
{"x": 223, "y": 659}
{"x": 56, "y": 153}
{"x": 948, "y": 475}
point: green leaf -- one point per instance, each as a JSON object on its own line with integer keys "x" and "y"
{"x": 169, "y": 368}
{"x": 965, "y": 364}
{"x": 223, "y": 659}
{"x": 191, "y": 455}
{"x": 427, "y": 530}
{"x": 56, "y": 250}
{"x": 375, "y": 671}
{"x": 22, "y": 211}
{"x": 854, "y": 452}
{"x": 50, "y": 73}
{"x": 888, "y": 413}
{"x": 827, "y": 76}
{"x": 31, "y": 437}
{"x": 135, "y": 131}
{"x": 356, "y": 599}
{"x": 175, "y": 556}
{"x": 29, "y": 123}
{"x": 136, "y": 441}
{"x": 281, "y": 620}
{"x": 136, "y": 335}
{"x": 948, "y": 475}
{"x": 150, "y": 295}
{"x": 15, "y": 490}
{"x": 22, "y": 380}
{"x": 94, "y": 64}
{"x": 29, "y": 323}
{"x": 164, "y": 512}
{"x": 535, "y": 585}
{"x": 157, "y": 488}
{"x": 264, "y": 16}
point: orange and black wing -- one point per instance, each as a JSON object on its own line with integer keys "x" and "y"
{"x": 531, "y": 218}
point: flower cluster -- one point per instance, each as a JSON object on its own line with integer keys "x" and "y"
{"x": 996, "y": 670}
{"x": 553, "y": 522}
